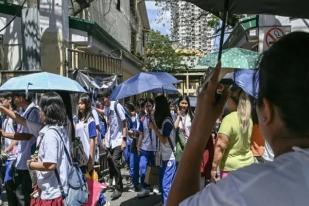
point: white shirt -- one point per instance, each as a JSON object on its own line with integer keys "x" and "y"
{"x": 25, "y": 147}
{"x": 165, "y": 148}
{"x": 84, "y": 132}
{"x": 283, "y": 182}
{"x": 95, "y": 116}
{"x": 185, "y": 125}
{"x": 8, "y": 126}
{"x": 51, "y": 150}
{"x": 148, "y": 143}
{"x": 115, "y": 124}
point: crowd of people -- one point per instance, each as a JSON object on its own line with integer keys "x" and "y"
{"x": 218, "y": 141}
{"x": 149, "y": 133}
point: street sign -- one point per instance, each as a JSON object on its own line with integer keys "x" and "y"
{"x": 273, "y": 35}
{"x": 269, "y": 35}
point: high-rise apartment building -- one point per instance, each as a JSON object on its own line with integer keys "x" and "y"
{"x": 189, "y": 26}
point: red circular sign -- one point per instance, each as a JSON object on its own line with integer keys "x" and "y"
{"x": 273, "y": 35}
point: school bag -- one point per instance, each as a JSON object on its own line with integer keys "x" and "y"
{"x": 77, "y": 193}
{"x": 79, "y": 146}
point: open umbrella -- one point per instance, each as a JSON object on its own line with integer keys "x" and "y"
{"x": 233, "y": 58}
{"x": 42, "y": 81}
{"x": 168, "y": 89}
{"x": 143, "y": 82}
{"x": 292, "y": 8}
{"x": 295, "y": 8}
{"x": 247, "y": 80}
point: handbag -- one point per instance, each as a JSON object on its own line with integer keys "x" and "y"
{"x": 180, "y": 144}
{"x": 152, "y": 176}
{"x": 77, "y": 193}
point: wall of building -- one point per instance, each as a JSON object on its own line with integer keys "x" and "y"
{"x": 116, "y": 22}
{"x": 11, "y": 48}
{"x": 54, "y": 36}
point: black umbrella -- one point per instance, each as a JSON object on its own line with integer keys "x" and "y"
{"x": 292, "y": 8}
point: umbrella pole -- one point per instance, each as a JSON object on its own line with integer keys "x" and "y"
{"x": 224, "y": 20}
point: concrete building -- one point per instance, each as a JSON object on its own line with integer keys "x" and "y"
{"x": 103, "y": 37}
{"x": 189, "y": 26}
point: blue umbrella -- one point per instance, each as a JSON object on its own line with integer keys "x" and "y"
{"x": 42, "y": 81}
{"x": 168, "y": 89}
{"x": 143, "y": 82}
{"x": 247, "y": 80}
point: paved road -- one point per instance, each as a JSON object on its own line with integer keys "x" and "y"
{"x": 127, "y": 198}
{"x": 130, "y": 199}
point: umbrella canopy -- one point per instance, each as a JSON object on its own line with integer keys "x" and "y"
{"x": 292, "y": 8}
{"x": 42, "y": 81}
{"x": 247, "y": 80}
{"x": 233, "y": 58}
{"x": 168, "y": 89}
{"x": 143, "y": 82}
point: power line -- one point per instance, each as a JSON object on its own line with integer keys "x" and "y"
{"x": 8, "y": 24}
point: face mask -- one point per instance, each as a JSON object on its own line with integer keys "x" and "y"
{"x": 133, "y": 119}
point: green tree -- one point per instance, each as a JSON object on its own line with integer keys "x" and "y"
{"x": 160, "y": 55}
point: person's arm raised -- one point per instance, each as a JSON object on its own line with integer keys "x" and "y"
{"x": 16, "y": 117}
{"x": 208, "y": 108}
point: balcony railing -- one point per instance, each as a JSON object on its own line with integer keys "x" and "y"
{"x": 77, "y": 59}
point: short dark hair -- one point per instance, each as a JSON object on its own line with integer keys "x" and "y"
{"x": 28, "y": 98}
{"x": 284, "y": 80}
{"x": 53, "y": 107}
{"x": 106, "y": 94}
{"x": 130, "y": 107}
{"x": 147, "y": 100}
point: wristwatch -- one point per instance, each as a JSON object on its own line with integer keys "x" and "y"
{"x": 124, "y": 138}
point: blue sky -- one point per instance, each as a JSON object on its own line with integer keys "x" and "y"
{"x": 159, "y": 21}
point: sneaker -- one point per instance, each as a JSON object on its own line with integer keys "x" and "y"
{"x": 156, "y": 191}
{"x": 116, "y": 194}
{"x": 134, "y": 189}
{"x": 143, "y": 193}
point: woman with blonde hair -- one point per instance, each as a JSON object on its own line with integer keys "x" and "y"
{"x": 232, "y": 148}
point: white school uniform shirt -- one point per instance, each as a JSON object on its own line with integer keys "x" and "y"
{"x": 185, "y": 125}
{"x": 8, "y": 126}
{"x": 114, "y": 124}
{"x": 51, "y": 150}
{"x": 148, "y": 144}
{"x": 284, "y": 182}
{"x": 86, "y": 130}
{"x": 25, "y": 146}
{"x": 165, "y": 148}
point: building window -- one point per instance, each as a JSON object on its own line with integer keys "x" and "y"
{"x": 118, "y": 5}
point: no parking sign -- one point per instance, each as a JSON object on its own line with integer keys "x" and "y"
{"x": 272, "y": 34}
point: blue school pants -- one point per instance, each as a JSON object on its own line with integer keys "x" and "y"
{"x": 147, "y": 158}
{"x": 167, "y": 174}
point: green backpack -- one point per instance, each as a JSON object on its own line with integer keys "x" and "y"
{"x": 180, "y": 144}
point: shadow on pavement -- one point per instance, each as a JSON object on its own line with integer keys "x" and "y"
{"x": 148, "y": 201}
